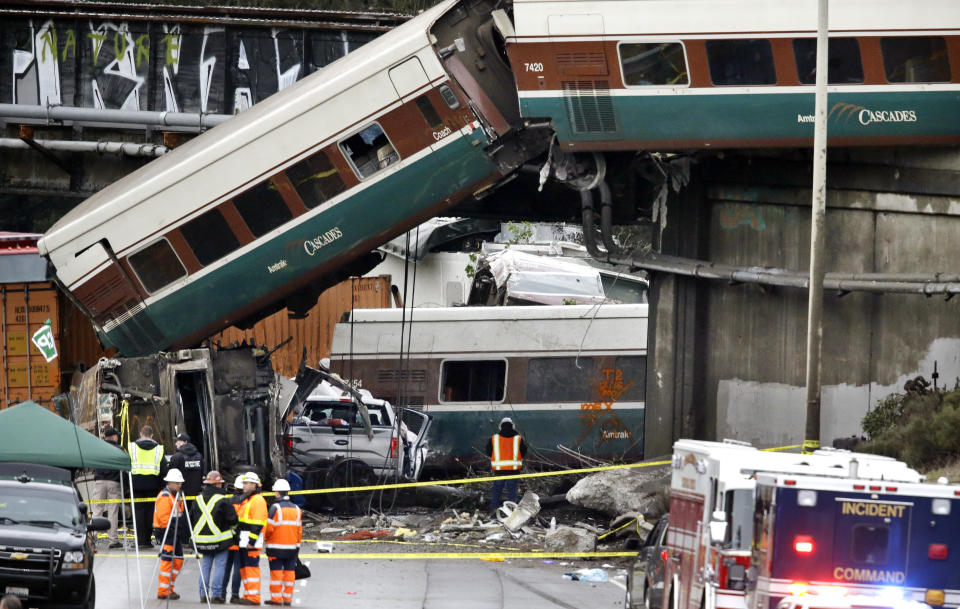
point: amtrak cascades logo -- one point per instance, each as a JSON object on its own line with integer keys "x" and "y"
{"x": 311, "y": 246}
{"x": 865, "y": 116}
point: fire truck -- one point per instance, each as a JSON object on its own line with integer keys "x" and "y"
{"x": 712, "y": 501}
{"x": 871, "y": 530}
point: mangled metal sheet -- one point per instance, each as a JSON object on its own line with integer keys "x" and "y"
{"x": 511, "y": 277}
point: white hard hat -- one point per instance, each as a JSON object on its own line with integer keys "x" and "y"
{"x": 173, "y": 475}
{"x": 281, "y": 485}
{"x": 507, "y": 420}
{"x": 252, "y": 477}
{"x": 238, "y": 483}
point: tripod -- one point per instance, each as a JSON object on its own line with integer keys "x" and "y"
{"x": 178, "y": 500}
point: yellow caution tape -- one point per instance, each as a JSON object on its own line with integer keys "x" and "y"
{"x": 621, "y": 527}
{"x": 459, "y": 481}
{"x": 427, "y": 555}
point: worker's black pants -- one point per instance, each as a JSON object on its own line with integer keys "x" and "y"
{"x": 143, "y": 513}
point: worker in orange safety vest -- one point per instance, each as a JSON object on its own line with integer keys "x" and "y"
{"x": 253, "y": 518}
{"x": 283, "y": 534}
{"x": 506, "y": 450}
{"x": 170, "y": 529}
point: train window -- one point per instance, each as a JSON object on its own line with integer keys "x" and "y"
{"x": 870, "y": 543}
{"x": 209, "y": 236}
{"x": 843, "y": 61}
{"x": 631, "y": 374}
{"x": 741, "y": 62}
{"x": 449, "y": 97}
{"x": 369, "y": 151}
{"x": 473, "y": 380}
{"x": 429, "y": 112}
{"x": 262, "y": 208}
{"x": 915, "y": 59}
{"x": 316, "y": 179}
{"x": 157, "y": 265}
{"x": 653, "y": 63}
{"x": 561, "y": 379}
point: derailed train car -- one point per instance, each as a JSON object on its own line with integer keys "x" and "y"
{"x": 290, "y": 197}
{"x": 229, "y": 401}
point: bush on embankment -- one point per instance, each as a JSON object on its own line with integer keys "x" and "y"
{"x": 920, "y": 427}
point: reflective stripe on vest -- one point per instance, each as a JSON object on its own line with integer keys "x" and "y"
{"x": 244, "y": 516}
{"x": 206, "y": 520}
{"x": 284, "y": 529}
{"x": 500, "y": 460}
{"x": 145, "y": 462}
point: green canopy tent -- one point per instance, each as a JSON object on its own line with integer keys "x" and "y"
{"x": 33, "y": 434}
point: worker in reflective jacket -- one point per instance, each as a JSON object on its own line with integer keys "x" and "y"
{"x": 214, "y": 520}
{"x": 147, "y": 469}
{"x": 283, "y": 534}
{"x": 253, "y": 518}
{"x": 506, "y": 450}
{"x": 169, "y": 527}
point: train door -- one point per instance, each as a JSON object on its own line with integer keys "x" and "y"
{"x": 189, "y": 388}
{"x": 98, "y": 282}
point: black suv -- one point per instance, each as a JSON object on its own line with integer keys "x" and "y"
{"x": 46, "y": 554}
{"x": 645, "y": 579}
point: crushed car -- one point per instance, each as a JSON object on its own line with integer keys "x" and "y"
{"x": 338, "y": 436}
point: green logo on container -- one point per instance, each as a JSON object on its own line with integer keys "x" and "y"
{"x": 43, "y": 339}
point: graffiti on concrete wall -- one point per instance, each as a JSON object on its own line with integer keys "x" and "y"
{"x": 173, "y": 67}
{"x": 609, "y": 389}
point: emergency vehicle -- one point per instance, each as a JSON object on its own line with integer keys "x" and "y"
{"x": 875, "y": 530}
{"x": 712, "y": 501}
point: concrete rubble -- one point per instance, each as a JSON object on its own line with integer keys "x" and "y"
{"x": 570, "y": 539}
{"x": 606, "y": 511}
{"x": 619, "y": 491}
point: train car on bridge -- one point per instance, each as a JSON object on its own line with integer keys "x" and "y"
{"x": 289, "y": 197}
{"x": 656, "y": 75}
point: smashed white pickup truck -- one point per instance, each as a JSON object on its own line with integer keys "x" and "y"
{"x": 338, "y": 437}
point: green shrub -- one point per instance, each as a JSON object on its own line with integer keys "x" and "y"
{"x": 918, "y": 428}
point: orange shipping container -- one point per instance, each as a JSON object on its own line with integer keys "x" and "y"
{"x": 25, "y": 373}
{"x": 315, "y": 332}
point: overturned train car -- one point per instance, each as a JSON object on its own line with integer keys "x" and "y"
{"x": 229, "y": 401}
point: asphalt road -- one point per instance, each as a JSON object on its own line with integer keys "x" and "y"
{"x": 388, "y": 584}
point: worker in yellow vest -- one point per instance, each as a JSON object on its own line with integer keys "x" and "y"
{"x": 214, "y": 520}
{"x": 253, "y": 518}
{"x": 506, "y": 450}
{"x": 148, "y": 469}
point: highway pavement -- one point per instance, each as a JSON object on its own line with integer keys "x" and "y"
{"x": 362, "y": 583}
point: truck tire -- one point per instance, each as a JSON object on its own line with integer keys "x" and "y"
{"x": 345, "y": 473}
{"x": 315, "y": 477}
{"x": 91, "y": 601}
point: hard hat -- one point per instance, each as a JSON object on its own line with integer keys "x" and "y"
{"x": 184, "y": 437}
{"x": 173, "y": 475}
{"x": 252, "y": 477}
{"x": 281, "y": 485}
{"x": 213, "y": 477}
{"x": 238, "y": 483}
{"x": 506, "y": 420}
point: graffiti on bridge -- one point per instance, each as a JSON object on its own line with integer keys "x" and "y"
{"x": 170, "y": 67}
